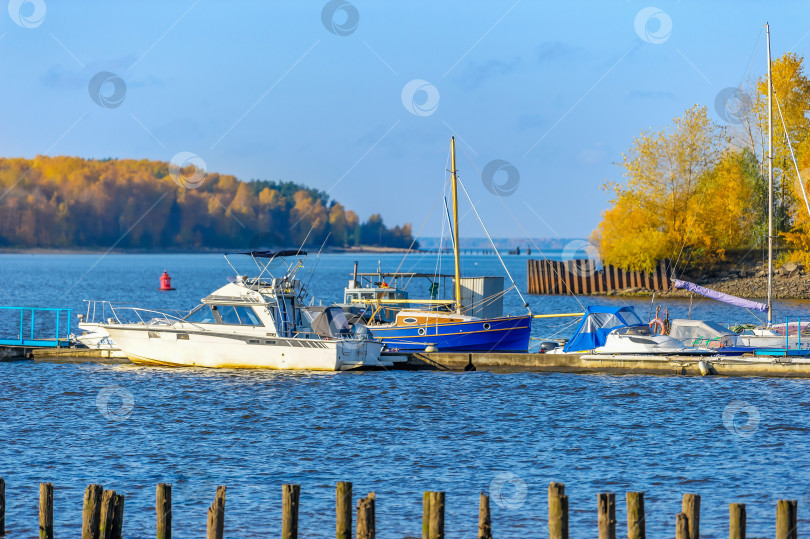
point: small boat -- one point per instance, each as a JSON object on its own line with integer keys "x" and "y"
{"x": 253, "y": 322}
{"x": 707, "y": 334}
{"x": 377, "y": 297}
{"x": 92, "y": 334}
{"x": 782, "y": 336}
{"x": 620, "y": 331}
{"x": 445, "y": 325}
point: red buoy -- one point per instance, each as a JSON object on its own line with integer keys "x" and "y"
{"x": 165, "y": 281}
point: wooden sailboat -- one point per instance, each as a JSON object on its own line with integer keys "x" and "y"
{"x": 446, "y": 326}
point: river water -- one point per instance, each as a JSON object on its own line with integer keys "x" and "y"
{"x": 394, "y": 433}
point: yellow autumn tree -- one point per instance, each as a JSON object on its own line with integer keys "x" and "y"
{"x": 798, "y": 237}
{"x": 656, "y": 213}
{"x": 791, "y": 109}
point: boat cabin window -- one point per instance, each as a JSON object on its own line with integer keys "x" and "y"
{"x": 228, "y": 314}
{"x": 235, "y": 315}
{"x": 201, "y": 315}
{"x": 248, "y": 316}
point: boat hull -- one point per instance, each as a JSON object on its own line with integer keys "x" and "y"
{"x": 94, "y": 336}
{"x": 177, "y": 348}
{"x": 506, "y": 334}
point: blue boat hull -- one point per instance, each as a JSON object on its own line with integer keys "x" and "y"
{"x": 506, "y": 334}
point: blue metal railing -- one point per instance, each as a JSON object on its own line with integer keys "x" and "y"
{"x": 27, "y": 336}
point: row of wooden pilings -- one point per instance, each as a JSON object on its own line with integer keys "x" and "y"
{"x": 103, "y": 514}
{"x": 556, "y": 277}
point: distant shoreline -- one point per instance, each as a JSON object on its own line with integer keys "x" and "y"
{"x": 361, "y": 249}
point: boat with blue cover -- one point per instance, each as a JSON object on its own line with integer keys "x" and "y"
{"x": 619, "y": 330}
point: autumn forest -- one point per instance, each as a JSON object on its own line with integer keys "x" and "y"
{"x": 67, "y": 202}
{"x": 697, "y": 190}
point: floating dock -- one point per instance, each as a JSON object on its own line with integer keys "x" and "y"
{"x": 766, "y": 366}
{"x": 749, "y": 365}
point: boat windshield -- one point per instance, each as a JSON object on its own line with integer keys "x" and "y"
{"x": 634, "y": 330}
{"x": 596, "y": 321}
{"x": 201, "y": 315}
{"x": 234, "y": 315}
{"x": 630, "y": 317}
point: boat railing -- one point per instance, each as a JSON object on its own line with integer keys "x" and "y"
{"x": 36, "y": 326}
{"x": 147, "y": 317}
{"x": 99, "y": 310}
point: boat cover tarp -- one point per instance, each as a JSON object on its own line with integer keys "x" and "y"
{"x": 703, "y": 333}
{"x": 331, "y": 323}
{"x": 720, "y": 296}
{"x": 596, "y": 323}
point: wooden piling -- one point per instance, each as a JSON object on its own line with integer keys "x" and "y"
{"x": 116, "y": 531}
{"x": 573, "y": 269}
{"x": 365, "y": 518}
{"x": 691, "y": 508}
{"x": 91, "y": 512}
{"x": 343, "y": 508}
{"x": 215, "y": 528}
{"x": 436, "y": 528}
{"x": 786, "y": 521}
{"x": 484, "y": 518}
{"x": 163, "y": 507}
{"x": 107, "y": 514}
{"x": 636, "y": 525}
{"x": 426, "y": 515}
{"x": 617, "y": 284}
{"x": 736, "y": 526}
{"x": 2, "y": 507}
{"x": 289, "y": 511}
{"x": 607, "y": 515}
{"x": 681, "y": 526}
{"x": 557, "y": 511}
{"x": 46, "y": 511}
{"x": 537, "y": 283}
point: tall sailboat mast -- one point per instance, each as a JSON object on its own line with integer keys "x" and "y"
{"x": 455, "y": 224}
{"x": 770, "y": 180}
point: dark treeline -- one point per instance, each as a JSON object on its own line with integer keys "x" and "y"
{"x": 64, "y": 202}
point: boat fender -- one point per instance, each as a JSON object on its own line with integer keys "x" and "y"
{"x": 657, "y": 326}
{"x": 430, "y": 349}
{"x": 704, "y": 368}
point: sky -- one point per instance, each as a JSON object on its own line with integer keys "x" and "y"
{"x": 359, "y": 98}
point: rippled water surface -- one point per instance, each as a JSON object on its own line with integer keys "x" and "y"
{"x": 394, "y": 433}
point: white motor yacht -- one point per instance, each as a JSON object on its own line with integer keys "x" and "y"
{"x": 250, "y": 323}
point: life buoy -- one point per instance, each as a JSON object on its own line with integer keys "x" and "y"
{"x": 657, "y": 326}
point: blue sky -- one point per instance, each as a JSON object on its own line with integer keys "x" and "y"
{"x": 269, "y": 90}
